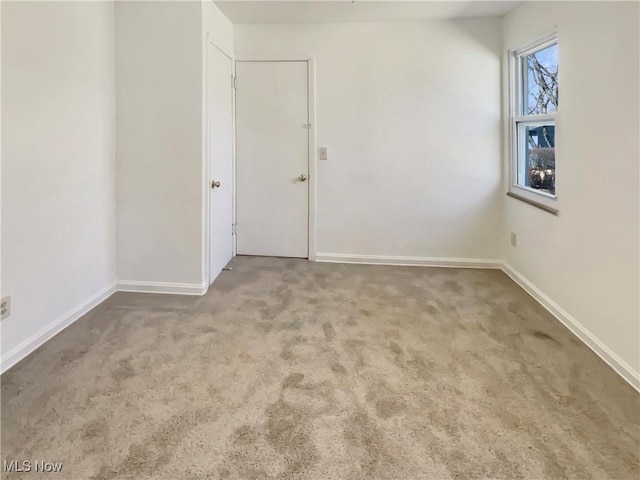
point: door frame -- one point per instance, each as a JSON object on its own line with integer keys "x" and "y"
{"x": 206, "y": 165}
{"x": 312, "y": 147}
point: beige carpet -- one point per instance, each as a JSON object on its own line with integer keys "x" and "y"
{"x": 293, "y": 369}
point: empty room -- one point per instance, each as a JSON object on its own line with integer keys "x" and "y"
{"x": 320, "y": 239}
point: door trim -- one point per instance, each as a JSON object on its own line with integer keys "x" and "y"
{"x": 311, "y": 109}
{"x": 206, "y": 173}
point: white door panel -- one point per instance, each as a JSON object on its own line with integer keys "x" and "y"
{"x": 272, "y": 152}
{"x": 220, "y": 137}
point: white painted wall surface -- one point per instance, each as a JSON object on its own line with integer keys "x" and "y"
{"x": 159, "y": 142}
{"x": 1, "y": 294}
{"x": 587, "y": 259}
{"x": 58, "y": 164}
{"x": 410, "y": 114}
{"x": 218, "y": 26}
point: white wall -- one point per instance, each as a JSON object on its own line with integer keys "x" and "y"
{"x": 587, "y": 259}
{"x": 1, "y": 294}
{"x": 159, "y": 142}
{"x": 58, "y": 178}
{"x": 410, "y": 114}
{"x": 219, "y": 27}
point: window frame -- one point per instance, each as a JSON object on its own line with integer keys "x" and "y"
{"x": 518, "y": 92}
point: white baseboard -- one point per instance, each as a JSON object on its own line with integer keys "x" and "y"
{"x": 162, "y": 287}
{"x": 23, "y": 349}
{"x": 408, "y": 261}
{"x": 619, "y": 366}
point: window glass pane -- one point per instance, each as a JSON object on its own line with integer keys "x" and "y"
{"x": 537, "y": 156}
{"x": 541, "y": 81}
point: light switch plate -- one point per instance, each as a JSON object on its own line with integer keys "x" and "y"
{"x": 322, "y": 151}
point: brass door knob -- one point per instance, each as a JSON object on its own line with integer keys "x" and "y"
{"x": 215, "y": 184}
{"x": 302, "y": 177}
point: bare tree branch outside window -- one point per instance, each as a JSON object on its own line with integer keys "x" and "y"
{"x": 545, "y": 89}
{"x": 541, "y": 97}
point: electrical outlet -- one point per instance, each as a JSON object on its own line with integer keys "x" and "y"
{"x": 514, "y": 239}
{"x": 5, "y": 307}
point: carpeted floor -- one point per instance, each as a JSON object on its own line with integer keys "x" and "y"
{"x": 294, "y": 369}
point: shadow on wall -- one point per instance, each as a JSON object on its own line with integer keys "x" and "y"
{"x": 471, "y": 28}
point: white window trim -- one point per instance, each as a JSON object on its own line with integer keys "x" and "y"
{"x": 546, "y": 201}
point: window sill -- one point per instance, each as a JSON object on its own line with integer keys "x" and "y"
{"x": 533, "y": 203}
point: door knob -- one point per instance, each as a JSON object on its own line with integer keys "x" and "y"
{"x": 302, "y": 177}
{"x": 215, "y": 184}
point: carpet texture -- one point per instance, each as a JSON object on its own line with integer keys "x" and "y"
{"x": 294, "y": 369}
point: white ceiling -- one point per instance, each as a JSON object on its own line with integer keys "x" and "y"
{"x": 313, "y": 11}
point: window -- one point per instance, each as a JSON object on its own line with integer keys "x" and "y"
{"x": 534, "y": 105}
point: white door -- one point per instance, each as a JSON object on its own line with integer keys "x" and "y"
{"x": 220, "y": 137}
{"x": 272, "y": 158}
